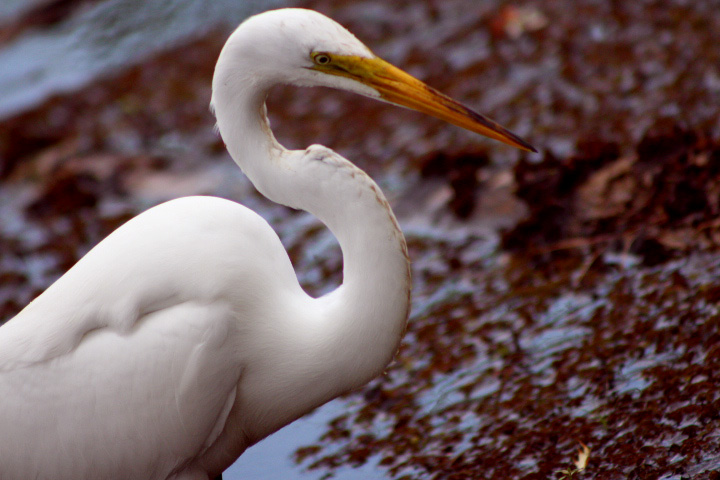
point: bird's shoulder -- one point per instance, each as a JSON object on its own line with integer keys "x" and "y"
{"x": 196, "y": 249}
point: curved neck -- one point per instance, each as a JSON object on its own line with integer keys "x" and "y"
{"x": 359, "y": 325}
{"x": 239, "y": 106}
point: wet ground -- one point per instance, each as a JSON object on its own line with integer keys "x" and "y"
{"x": 565, "y": 297}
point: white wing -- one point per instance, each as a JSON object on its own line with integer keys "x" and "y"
{"x": 127, "y": 367}
{"x": 135, "y": 405}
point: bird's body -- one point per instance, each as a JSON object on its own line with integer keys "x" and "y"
{"x": 185, "y": 337}
{"x": 148, "y": 350}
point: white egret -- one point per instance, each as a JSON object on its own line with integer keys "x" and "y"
{"x": 184, "y": 337}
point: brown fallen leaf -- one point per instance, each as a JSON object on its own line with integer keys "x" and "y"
{"x": 608, "y": 192}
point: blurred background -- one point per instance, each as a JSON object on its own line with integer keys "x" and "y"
{"x": 562, "y": 297}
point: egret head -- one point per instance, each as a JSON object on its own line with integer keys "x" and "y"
{"x": 305, "y": 48}
{"x": 283, "y": 46}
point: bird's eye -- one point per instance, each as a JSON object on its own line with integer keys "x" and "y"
{"x": 321, "y": 58}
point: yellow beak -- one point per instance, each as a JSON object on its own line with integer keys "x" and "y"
{"x": 396, "y": 86}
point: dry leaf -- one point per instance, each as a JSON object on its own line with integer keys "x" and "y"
{"x": 607, "y": 192}
{"x": 583, "y": 456}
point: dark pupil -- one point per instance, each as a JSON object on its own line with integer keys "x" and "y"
{"x": 323, "y": 59}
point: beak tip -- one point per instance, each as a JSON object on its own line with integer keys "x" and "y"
{"x": 519, "y": 142}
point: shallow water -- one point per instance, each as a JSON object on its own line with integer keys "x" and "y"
{"x": 98, "y": 41}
